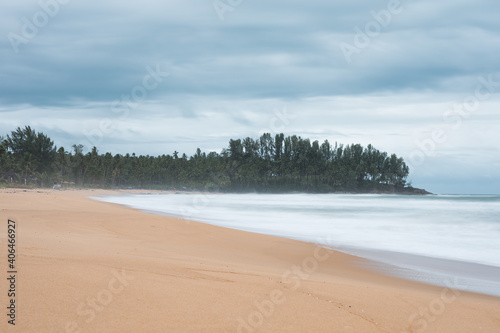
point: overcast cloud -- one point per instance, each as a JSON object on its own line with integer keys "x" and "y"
{"x": 417, "y": 78}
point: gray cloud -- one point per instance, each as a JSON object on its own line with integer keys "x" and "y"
{"x": 228, "y": 77}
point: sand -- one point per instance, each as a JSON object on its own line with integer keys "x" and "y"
{"x": 89, "y": 266}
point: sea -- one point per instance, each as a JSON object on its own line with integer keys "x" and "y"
{"x": 445, "y": 240}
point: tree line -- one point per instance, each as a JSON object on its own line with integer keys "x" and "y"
{"x": 268, "y": 164}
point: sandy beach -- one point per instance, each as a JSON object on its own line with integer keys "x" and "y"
{"x": 89, "y": 266}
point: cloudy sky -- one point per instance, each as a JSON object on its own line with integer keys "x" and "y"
{"x": 418, "y": 78}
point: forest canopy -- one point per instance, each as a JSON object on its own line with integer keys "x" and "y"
{"x": 268, "y": 164}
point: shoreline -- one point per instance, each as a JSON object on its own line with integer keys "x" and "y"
{"x": 188, "y": 276}
{"x": 433, "y": 270}
{"x": 441, "y": 272}
{"x": 464, "y": 275}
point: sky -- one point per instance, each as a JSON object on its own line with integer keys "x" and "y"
{"x": 417, "y": 78}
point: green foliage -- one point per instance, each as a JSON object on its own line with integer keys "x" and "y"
{"x": 35, "y": 151}
{"x": 267, "y": 164}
